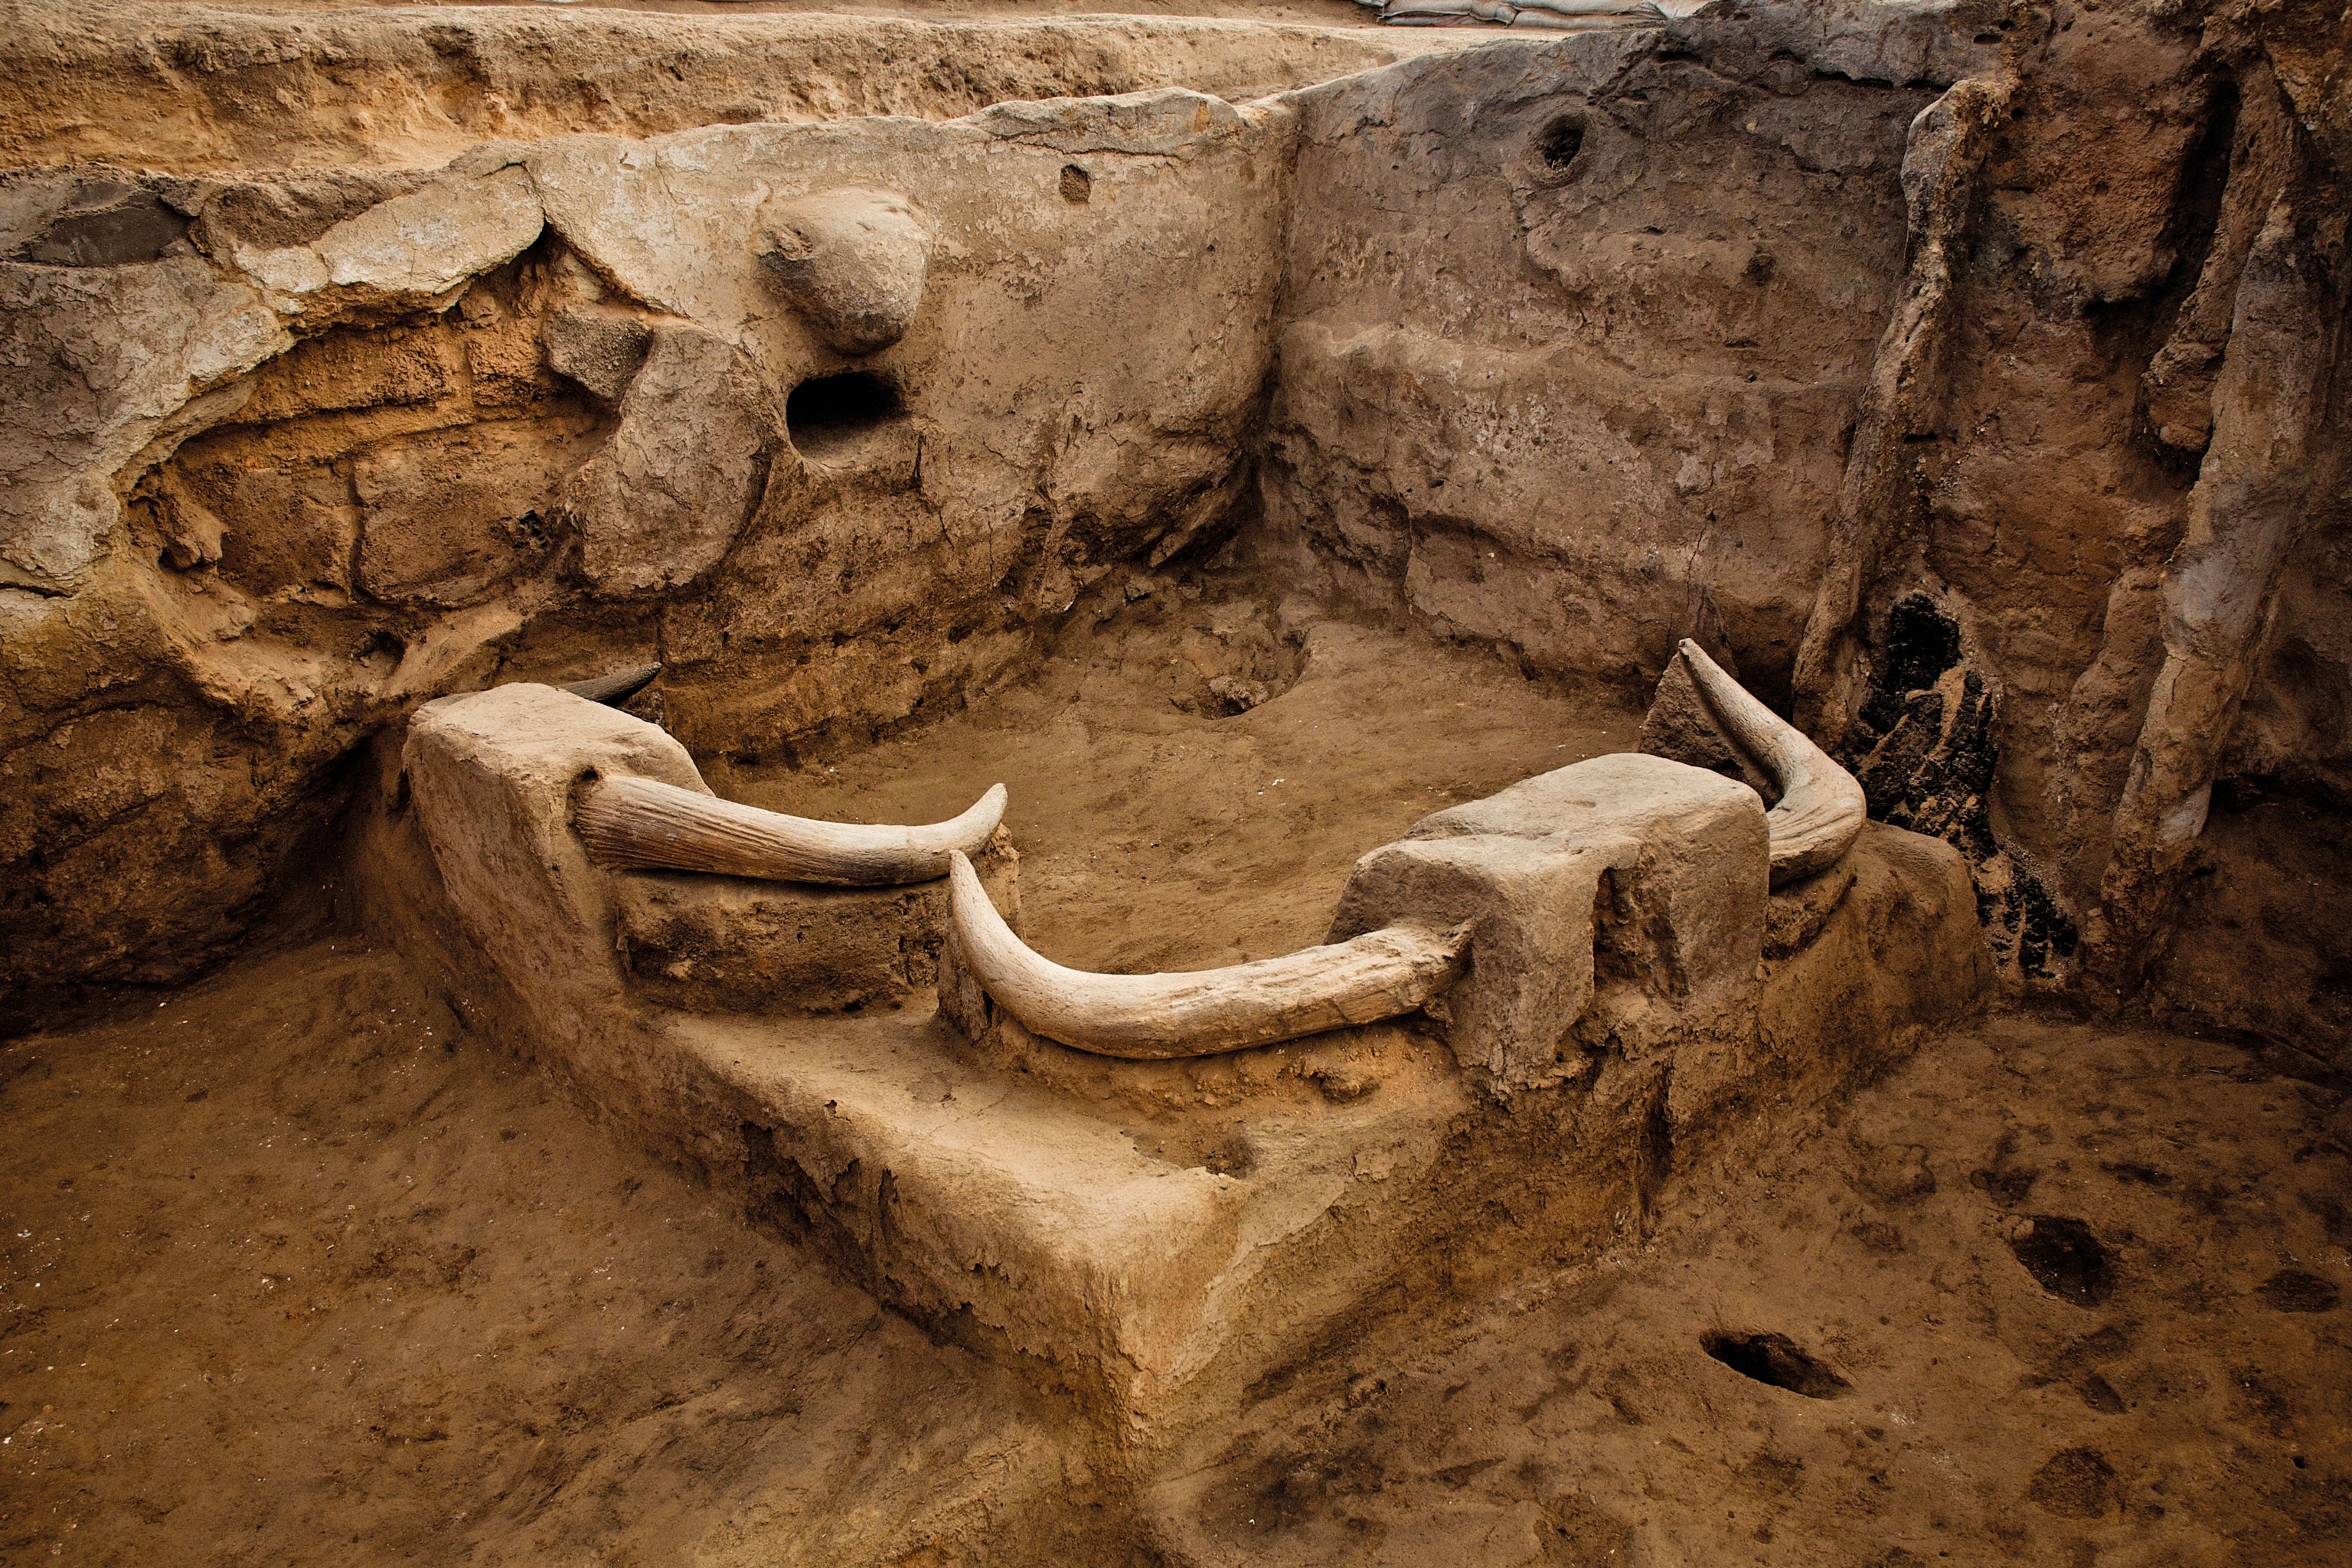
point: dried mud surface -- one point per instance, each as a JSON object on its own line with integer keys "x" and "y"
{"x": 1159, "y": 829}
{"x": 291, "y": 1263}
{"x": 287, "y": 1262}
{"x": 2091, "y": 1316}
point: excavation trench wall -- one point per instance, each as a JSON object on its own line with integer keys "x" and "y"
{"x": 312, "y": 460}
{"x": 198, "y": 89}
{"x": 1888, "y": 350}
{"x": 1945, "y": 382}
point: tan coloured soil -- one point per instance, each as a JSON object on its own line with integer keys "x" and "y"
{"x": 1156, "y": 836}
{"x": 294, "y": 1268}
{"x": 1319, "y": 13}
{"x": 256, "y": 84}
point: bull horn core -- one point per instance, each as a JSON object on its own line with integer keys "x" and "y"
{"x": 1200, "y": 1013}
{"x": 1822, "y": 807}
{"x": 627, "y": 821}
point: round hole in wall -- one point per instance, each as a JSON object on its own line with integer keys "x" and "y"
{"x": 829, "y": 418}
{"x": 1558, "y": 143}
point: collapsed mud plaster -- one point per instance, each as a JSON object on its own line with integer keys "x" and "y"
{"x": 1566, "y": 346}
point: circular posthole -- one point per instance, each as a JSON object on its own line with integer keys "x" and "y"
{"x": 1553, "y": 152}
{"x": 830, "y": 418}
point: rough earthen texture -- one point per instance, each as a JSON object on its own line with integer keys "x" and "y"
{"x": 283, "y": 1232}
{"x": 1575, "y": 347}
{"x": 1966, "y": 377}
{"x": 190, "y": 87}
{"x": 1718, "y": 340}
{"x": 412, "y": 501}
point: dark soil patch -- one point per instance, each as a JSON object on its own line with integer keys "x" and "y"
{"x": 2292, "y": 1290}
{"x": 2067, "y": 1260}
{"x": 1778, "y": 1360}
{"x": 2076, "y": 1483}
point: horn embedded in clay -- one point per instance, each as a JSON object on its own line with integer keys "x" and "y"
{"x": 1822, "y": 807}
{"x": 617, "y": 687}
{"x": 641, "y": 822}
{"x": 1199, "y": 1013}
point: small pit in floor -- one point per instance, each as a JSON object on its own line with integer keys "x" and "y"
{"x": 1778, "y": 1360}
{"x": 2067, "y": 1260}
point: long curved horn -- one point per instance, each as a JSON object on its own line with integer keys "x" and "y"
{"x": 630, "y": 821}
{"x": 1822, "y": 807}
{"x": 1153, "y": 1018}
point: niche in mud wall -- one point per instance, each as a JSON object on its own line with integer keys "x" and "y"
{"x": 845, "y": 418}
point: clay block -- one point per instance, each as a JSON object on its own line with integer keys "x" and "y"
{"x": 600, "y": 349}
{"x": 1648, "y": 869}
{"x": 731, "y": 944}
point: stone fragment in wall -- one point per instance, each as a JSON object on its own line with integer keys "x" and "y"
{"x": 104, "y": 223}
{"x": 410, "y": 252}
{"x": 1169, "y": 122}
{"x": 599, "y": 348}
{"x": 103, "y": 362}
{"x": 447, "y": 514}
{"x": 665, "y": 498}
{"x": 266, "y": 209}
{"x": 1923, "y": 749}
{"x": 852, "y": 261}
{"x": 676, "y": 238}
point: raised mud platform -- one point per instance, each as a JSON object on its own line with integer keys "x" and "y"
{"x": 1148, "y": 1233}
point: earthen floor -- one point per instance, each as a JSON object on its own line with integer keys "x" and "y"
{"x": 293, "y": 1263}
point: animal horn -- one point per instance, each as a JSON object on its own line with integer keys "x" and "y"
{"x": 1822, "y": 807}
{"x": 1152, "y": 1017}
{"x": 616, "y": 688}
{"x": 630, "y": 821}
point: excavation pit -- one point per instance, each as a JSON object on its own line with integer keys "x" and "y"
{"x": 1426, "y": 1086}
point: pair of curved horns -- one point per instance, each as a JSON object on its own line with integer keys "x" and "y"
{"x": 627, "y": 821}
{"x": 1152, "y": 1017}
{"x": 1822, "y": 807}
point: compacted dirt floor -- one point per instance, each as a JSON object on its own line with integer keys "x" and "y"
{"x": 295, "y": 1268}
{"x": 1190, "y": 781}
